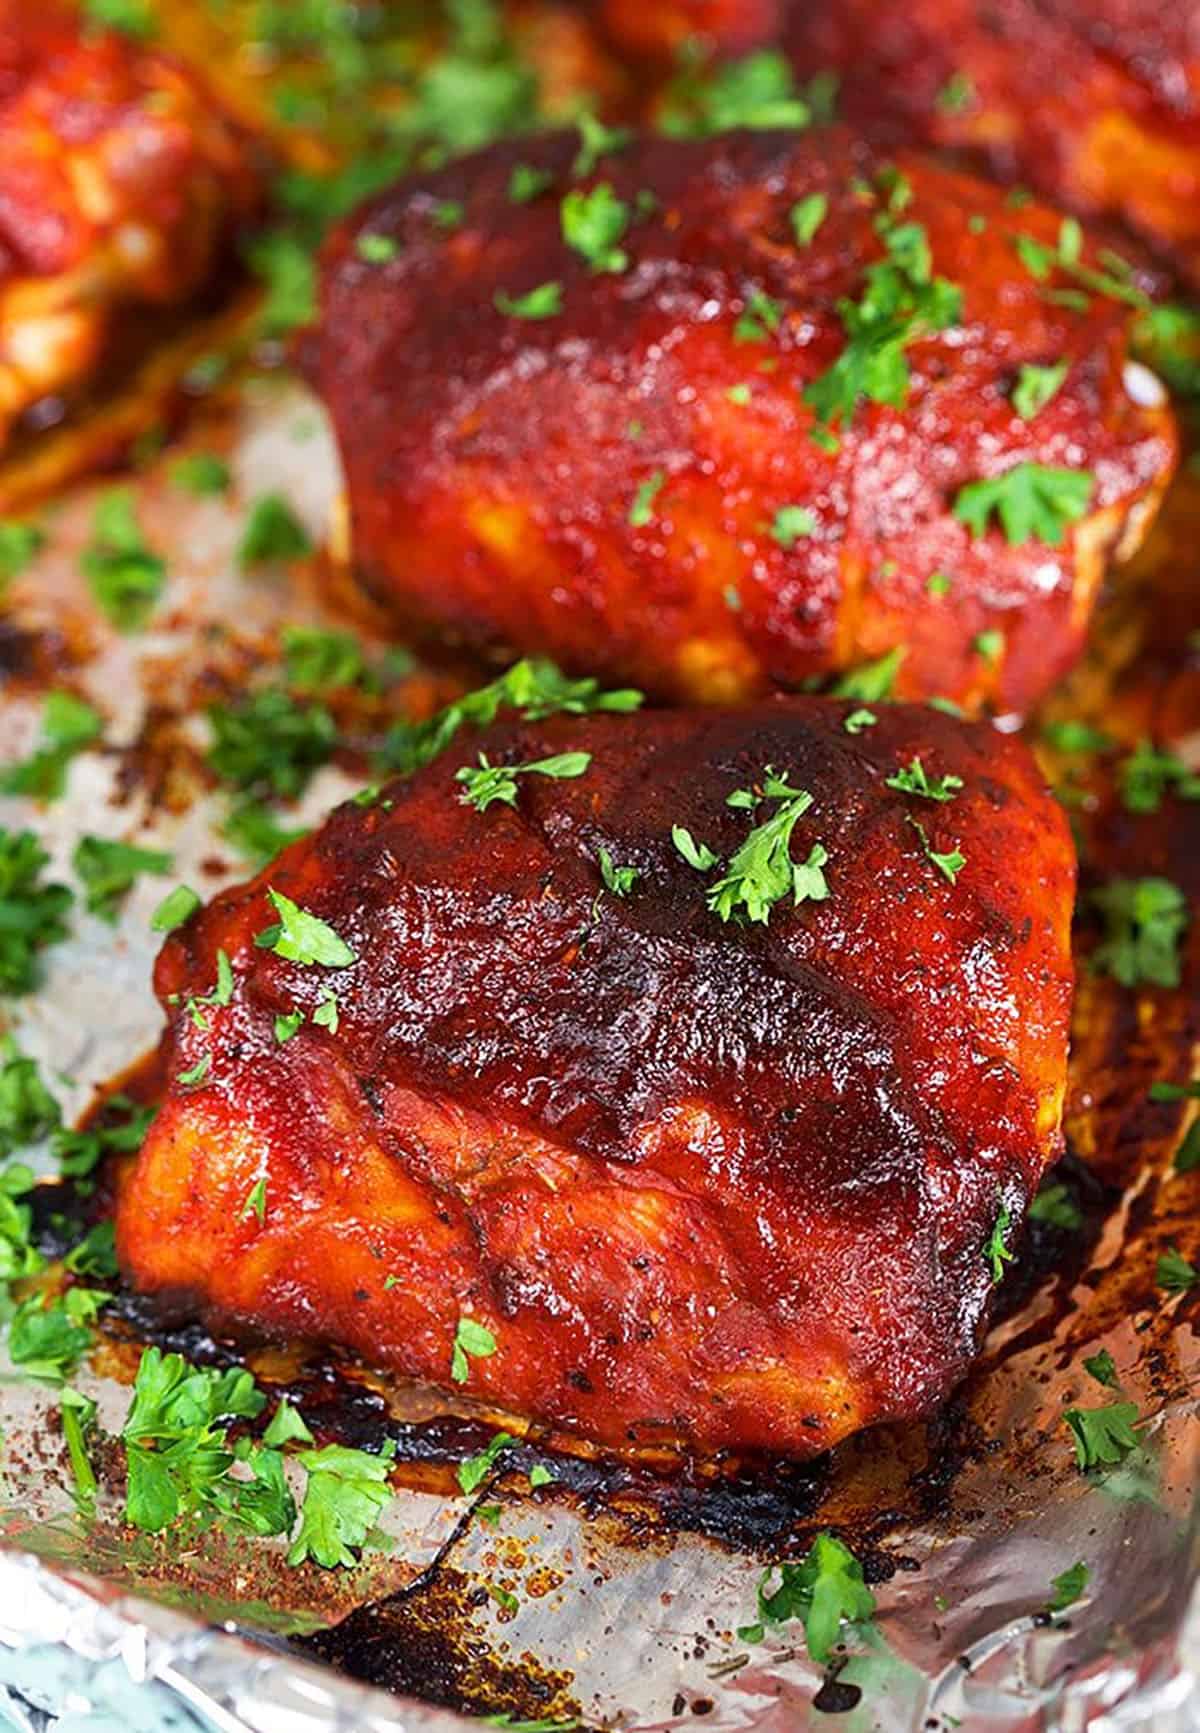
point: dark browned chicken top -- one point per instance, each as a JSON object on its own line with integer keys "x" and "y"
{"x": 712, "y": 1169}
{"x": 721, "y": 414}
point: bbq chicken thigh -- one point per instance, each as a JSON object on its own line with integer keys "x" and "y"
{"x": 120, "y": 181}
{"x": 706, "y": 1060}
{"x": 719, "y": 415}
{"x": 1096, "y": 103}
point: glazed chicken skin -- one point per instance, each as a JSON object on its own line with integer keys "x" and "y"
{"x": 1095, "y": 103}
{"x": 120, "y": 182}
{"x": 724, "y": 1184}
{"x": 608, "y": 456}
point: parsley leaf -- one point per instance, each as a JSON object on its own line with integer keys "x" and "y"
{"x": 319, "y": 661}
{"x": 1036, "y": 386}
{"x": 129, "y": 17}
{"x": 120, "y": 1130}
{"x": 536, "y": 689}
{"x": 302, "y": 938}
{"x": 912, "y": 779}
{"x": 68, "y": 725}
{"x": 641, "y": 512}
{"x": 32, "y": 914}
{"x": 1147, "y": 775}
{"x": 201, "y": 473}
{"x": 593, "y": 222}
{"x": 19, "y": 1257}
{"x": 806, "y": 217}
{"x": 256, "y": 833}
{"x": 19, "y": 542}
{"x": 287, "y": 270}
{"x": 345, "y": 1493}
{"x": 761, "y": 871}
{"x": 619, "y": 880}
{"x": 543, "y": 302}
{"x": 470, "y": 1338}
{"x": 1055, "y": 1206}
{"x": 1102, "y": 1435}
{"x": 1102, "y": 1367}
{"x": 858, "y": 720}
{"x": 1033, "y": 501}
{"x": 996, "y": 1251}
{"x": 696, "y": 854}
{"x": 475, "y": 1469}
{"x": 791, "y": 522}
{"x": 1144, "y": 920}
{"x": 1174, "y": 1272}
{"x": 950, "y": 863}
{"x": 377, "y": 249}
{"x": 287, "y": 1426}
{"x": 108, "y": 871}
{"x": 825, "y": 1589}
{"x": 758, "y": 91}
{"x": 125, "y": 576}
{"x": 28, "y": 1111}
{"x": 486, "y": 783}
{"x": 270, "y": 742}
{"x": 272, "y": 533}
{"x": 48, "y": 1338}
{"x": 595, "y": 141}
{"x": 176, "y": 907}
{"x": 873, "y": 681}
{"x": 526, "y": 182}
{"x": 1067, "y": 1587}
{"x": 256, "y": 1202}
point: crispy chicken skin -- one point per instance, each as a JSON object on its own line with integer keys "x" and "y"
{"x": 1096, "y": 103}
{"x": 119, "y": 182}
{"x": 603, "y": 484}
{"x": 709, "y": 1183}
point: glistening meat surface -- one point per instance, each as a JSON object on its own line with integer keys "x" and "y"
{"x": 718, "y": 1183}
{"x": 661, "y": 458}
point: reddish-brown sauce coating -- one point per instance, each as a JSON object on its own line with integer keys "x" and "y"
{"x": 121, "y": 181}
{"x": 704, "y": 1181}
{"x": 603, "y": 484}
{"x": 1096, "y": 103}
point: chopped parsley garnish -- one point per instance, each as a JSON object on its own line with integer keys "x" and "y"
{"x": 28, "y": 1111}
{"x": 620, "y": 880}
{"x": 1102, "y": 1435}
{"x": 761, "y": 872}
{"x": 1067, "y": 1587}
{"x": 471, "y": 1339}
{"x": 475, "y": 1470}
{"x": 806, "y": 217}
{"x": 535, "y": 689}
{"x": 1144, "y": 921}
{"x": 256, "y": 1202}
{"x": 641, "y": 512}
{"x": 739, "y": 393}
{"x": 873, "y": 681}
{"x": 696, "y": 854}
{"x": 597, "y": 141}
{"x": 938, "y": 584}
{"x": 79, "y": 1153}
{"x": 287, "y": 1024}
{"x": 1102, "y": 1367}
{"x": 544, "y": 302}
{"x": 125, "y": 576}
{"x": 949, "y": 863}
{"x": 1036, "y": 386}
{"x": 287, "y": 269}
{"x": 1167, "y": 337}
{"x": 902, "y": 301}
{"x": 825, "y": 1589}
{"x": 319, "y": 661}
{"x": 1072, "y": 736}
{"x": 32, "y": 914}
{"x": 176, "y": 907}
{"x": 256, "y": 833}
{"x": 178, "y": 1454}
{"x": 593, "y": 222}
{"x": 327, "y": 1013}
{"x": 273, "y": 533}
{"x": 286, "y": 1426}
{"x": 128, "y": 17}
{"x": 1147, "y": 775}
{"x": 108, "y": 871}
{"x": 989, "y": 645}
{"x": 19, "y": 542}
{"x": 270, "y": 743}
{"x": 1174, "y": 1272}
{"x": 996, "y": 1251}
{"x": 344, "y": 1495}
{"x": 758, "y": 91}
{"x": 201, "y": 473}
{"x": 760, "y": 317}
{"x": 77, "y": 1413}
{"x": 1055, "y": 1206}
{"x": 48, "y": 1338}
{"x": 913, "y": 779}
{"x": 858, "y": 720}
{"x": 195, "y": 1074}
{"x": 302, "y": 938}
{"x": 486, "y": 783}
{"x": 790, "y": 523}
{"x": 19, "y": 1257}
{"x": 956, "y": 94}
{"x": 1033, "y": 502}
{"x": 526, "y": 183}
{"x": 68, "y": 725}
{"x": 377, "y": 249}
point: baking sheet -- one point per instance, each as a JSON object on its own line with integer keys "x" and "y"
{"x": 627, "y": 1595}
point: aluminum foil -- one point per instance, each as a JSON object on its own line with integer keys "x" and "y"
{"x": 571, "y": 1608}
